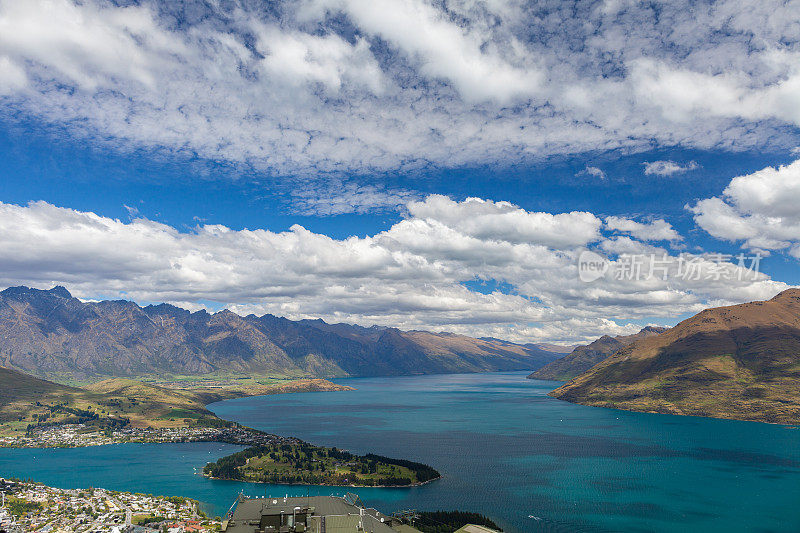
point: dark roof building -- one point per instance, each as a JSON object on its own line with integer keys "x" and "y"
{"x": 314, "y": 514}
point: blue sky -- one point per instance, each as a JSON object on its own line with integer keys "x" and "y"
{"x": 317, "y": 158}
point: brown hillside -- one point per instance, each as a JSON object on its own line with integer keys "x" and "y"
{"x": 582, "y": 358}
{"x": 741, "y": 362}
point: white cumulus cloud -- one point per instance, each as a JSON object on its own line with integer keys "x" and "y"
{"x": 342, "y": 86}
{"x": 655, "y": 230}
{"x": 411, "y": 275}
{"x": 758, "y": 209}
{"x": 668, "y": 168}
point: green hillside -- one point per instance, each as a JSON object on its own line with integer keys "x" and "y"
{"x": 29, "y": 401}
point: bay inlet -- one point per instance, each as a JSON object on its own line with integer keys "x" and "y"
{"x": 504, "y": 448}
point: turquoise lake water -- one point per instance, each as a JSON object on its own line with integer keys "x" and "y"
{"x": 505, "y": 449}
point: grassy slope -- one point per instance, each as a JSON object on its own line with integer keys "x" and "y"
{"x": 150, "y": 405}
{"x": 17, "y": 386}
{"x": 24, "y": 399}
{"x": 740, "y": 362}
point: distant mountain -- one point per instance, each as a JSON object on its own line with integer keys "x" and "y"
{"x": 740, "y": 362}
{"x": 582, "y": 358}
{"x": 48, "y": 333}
{"x": 556, "y": 348}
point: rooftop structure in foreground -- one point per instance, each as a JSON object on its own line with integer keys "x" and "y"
{"x": 315, "y": 514}
{"x": 472, "y": 528}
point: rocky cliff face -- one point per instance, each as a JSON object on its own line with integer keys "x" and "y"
{"x": 741, "y": 362}
{"x": 585, "y": 357}
{"x": 51, "y": 334}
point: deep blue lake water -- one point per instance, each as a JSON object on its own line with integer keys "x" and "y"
{"x": 505, "y": 449}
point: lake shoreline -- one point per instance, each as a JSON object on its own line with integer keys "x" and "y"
{"x": 412, "y": 485}
{"x": 506, "y": 449}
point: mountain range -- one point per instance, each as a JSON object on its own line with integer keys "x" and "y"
{"x": 51, "y": 334}
{"x": 582, "y": 358}
{"x": 740, "y": 362}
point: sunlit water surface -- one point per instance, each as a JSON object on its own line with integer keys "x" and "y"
{"x": 505, "y": 449}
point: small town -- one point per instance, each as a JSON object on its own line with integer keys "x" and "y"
{"x": 491, "y": 266}
{"x": 32, "y": 507}
{"x": 79, "y": 435}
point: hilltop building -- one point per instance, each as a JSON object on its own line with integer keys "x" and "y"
{"x": 315, "y": 514}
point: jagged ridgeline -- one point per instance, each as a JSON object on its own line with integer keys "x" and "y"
{"x": 306, "y": 464}
{"x": 51, "y": 334}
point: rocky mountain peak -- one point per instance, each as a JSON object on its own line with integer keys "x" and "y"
{"x": 48, "y": 333}
{"x": 23, "y": 293}
{"x": 60, "y": 291}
